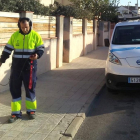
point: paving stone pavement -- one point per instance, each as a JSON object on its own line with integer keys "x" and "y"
{"x": 62, "y": 95}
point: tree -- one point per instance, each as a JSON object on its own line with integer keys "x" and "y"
{"x": 74, "y": 10}
{"x": 24, "y": 5}
{"x": 103, "y": 9}
{"x": 108, "y": 11}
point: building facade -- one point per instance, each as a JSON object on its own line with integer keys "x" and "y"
{"x": 128, "y": 11}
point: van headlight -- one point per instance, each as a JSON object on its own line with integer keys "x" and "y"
{"x": 113, "y": 59}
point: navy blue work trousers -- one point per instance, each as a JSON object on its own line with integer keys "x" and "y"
{"x": 16, "y": 79}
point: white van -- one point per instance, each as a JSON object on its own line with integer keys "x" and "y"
{"x": 123, "y": 63}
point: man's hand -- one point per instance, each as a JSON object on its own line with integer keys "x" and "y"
{"x": 33, "y": 57}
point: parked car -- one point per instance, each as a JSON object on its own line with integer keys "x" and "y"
{"x": 123, "y": 63}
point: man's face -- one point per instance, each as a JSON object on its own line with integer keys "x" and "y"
{"x": 24, "y": 25}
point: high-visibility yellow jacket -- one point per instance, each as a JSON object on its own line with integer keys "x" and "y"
{"x": 23, "y": 46}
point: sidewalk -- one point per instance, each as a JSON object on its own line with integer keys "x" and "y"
{"x": 64, "y": 96}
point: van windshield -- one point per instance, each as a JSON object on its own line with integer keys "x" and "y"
{"x": 125, "y": 35}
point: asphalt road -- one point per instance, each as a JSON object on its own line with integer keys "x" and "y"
{"x": 112, "y": 117}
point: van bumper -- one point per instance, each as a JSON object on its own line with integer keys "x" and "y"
{"x": 120, "y": 82}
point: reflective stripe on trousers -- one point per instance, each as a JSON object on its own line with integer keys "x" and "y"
{"x": 31, "y": 105}
{"x": 16, "y": 106}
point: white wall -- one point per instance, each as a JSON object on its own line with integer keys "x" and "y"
{"x": 48, "y": 60}
{"x": 89, "y": 43}
{"x": 76, "y": 48}
{"x": 5, "y": 72}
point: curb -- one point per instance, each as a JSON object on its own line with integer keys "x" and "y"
{"x": 79, "y": 119}
{"x": 74, "y": 126}
{"x": 66, "y": 138}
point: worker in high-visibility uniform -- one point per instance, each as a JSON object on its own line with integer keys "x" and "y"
{"x": 28, "y": 47}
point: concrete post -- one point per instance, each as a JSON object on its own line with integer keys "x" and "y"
{"x": 95, "y": 36}
{"x": 101, "y": 33}
{"x": 68, "y": 34}
{"x": 109, "y": 31}
{"x": 59, "y": 34}
{"x": 84, "y": 30}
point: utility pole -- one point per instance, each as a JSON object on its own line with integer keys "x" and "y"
{"x": 128, "y": 6}
{"x": 137, "y": 7}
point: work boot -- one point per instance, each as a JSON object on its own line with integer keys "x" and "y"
{"x": 12, "y": 119}
{"x": 31, "y": 115}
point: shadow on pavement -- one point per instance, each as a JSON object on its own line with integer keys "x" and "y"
{"x": 61, "y": 91}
